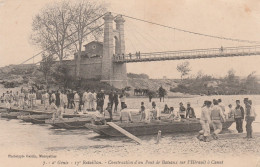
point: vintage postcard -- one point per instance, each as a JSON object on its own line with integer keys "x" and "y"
{"x": 129, "y": 83}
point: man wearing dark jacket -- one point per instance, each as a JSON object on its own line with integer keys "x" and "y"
{"x": 190, "y": 112}
{"x": 239, "y": 116}
{"x": 100, "y": 100}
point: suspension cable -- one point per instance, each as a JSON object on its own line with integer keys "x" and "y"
{"x": 191, "y": 32}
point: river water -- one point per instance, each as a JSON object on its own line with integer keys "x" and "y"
{"x": 17, "y": 136}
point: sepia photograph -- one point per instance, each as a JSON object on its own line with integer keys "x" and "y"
{"x": 125, "y": 83}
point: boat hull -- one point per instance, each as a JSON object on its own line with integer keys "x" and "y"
{"x": 69, "y": 123}
{"x": 12, "y": 115}
{"x": 139, "y": 129}
{"x": 35, "y": 119}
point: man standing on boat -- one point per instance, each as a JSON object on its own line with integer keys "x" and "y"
{"x": 7, "y": 99}
{"x": 45, "y": 98}
{"x": 90, "y": 99}
{"x": 21, "y": 99}
{"x": 190, "y": 111}
{"x": 116, "y": 101}
{"x": 33, "y": 98}
{"x": 250, "y": 117}
{"x": 182, "y": 110}
{"x": 53, "y": 97}
{"x": 111, "y": 98}
{"x": 85, "y": 101}
{"x": 156, "y": 111}
{"x": 76, "y": 101}
{"x": 123, "y": 99}
{"x": 205, "y": 121}
{"x": 239, "y": 116}
{"x": 100, "y": 100}
{"x": 217, "y": 118}
{"x": 16, "y": 99}
{"x": 94, "y": 99}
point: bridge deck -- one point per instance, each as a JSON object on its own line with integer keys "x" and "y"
{"x": 189, "y": 54}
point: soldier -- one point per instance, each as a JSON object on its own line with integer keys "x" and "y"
{"x": 156, "y": 111}
{"x": 33, "y": 96}
{"x": 130, "y": 55}
{"x": 231, "y": 111}
{"x": 122, "y": 98}
{"x": 217, "y": 117}
{"x": 111, "y": 98}
{"x": 190, "y": 111}
{"x": 85, "y": 101}
{"x": 142, "y": 111}
{"x": 250, "y": 117}
{"x": 45, "y": 98}
{"x": 7, "y": 99}
{"x": 21, "y": 99}
{"x": 109, "y": 110}
{"x": 100, "y": 100}
{"x": 30, "y": 99}
{"x": 94, "y": 100}
{"x": 91, "y": 100}
{"x": 16, "y": 99}
{"x": 76, "y": 101}
{"x": 205, "y": 121}
{"x": 239, "y": 116}
{"x": 53, "y": 97}
{"x": 63, "y": 102}
{"x": 182, "y": 110}
{"x": 116, "y": 101}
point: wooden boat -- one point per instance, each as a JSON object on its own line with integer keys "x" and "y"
{"x": 3, "y": 110}
{"x": 13, "y": 115}
{"x": 69, "y": 123}
{"x": 40, "y": 119}
{"x": 141, "y": 128}
{"x": 36, "y": 119}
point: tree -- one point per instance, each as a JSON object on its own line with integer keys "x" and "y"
{"x": 231, "y": 75}
{"x": 199, "y": 74}
{"x": 50, "y": 29}
{"x": 251, "y": 80}
{"x": 184, "y": 68}
{"x": 46, "y": 65}
{"x": 84, "y": 12}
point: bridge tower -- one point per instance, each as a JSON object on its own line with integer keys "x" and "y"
{"x": 114, "y": 43}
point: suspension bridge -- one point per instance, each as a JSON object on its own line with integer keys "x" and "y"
{"x": 111, "y": 65}
{"x": 188, "y": 54}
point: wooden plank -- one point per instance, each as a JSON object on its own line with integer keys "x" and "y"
{"x": 124, "y": 132}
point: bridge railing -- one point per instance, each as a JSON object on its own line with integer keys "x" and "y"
{"x": 225, "y": 51}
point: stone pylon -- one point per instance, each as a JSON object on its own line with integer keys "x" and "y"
{"x": 114, "y": 44}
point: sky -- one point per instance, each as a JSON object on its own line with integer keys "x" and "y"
{"x": 238, "y": 19}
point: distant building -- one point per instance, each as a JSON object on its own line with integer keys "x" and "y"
{"x": 92, "y": 49}
{"x": 91, "y": 60}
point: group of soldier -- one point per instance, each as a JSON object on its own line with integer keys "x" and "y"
{"x": 214, "y": 113}
{"x": 20, "y": 99}
{"x": 60, "y": 100}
